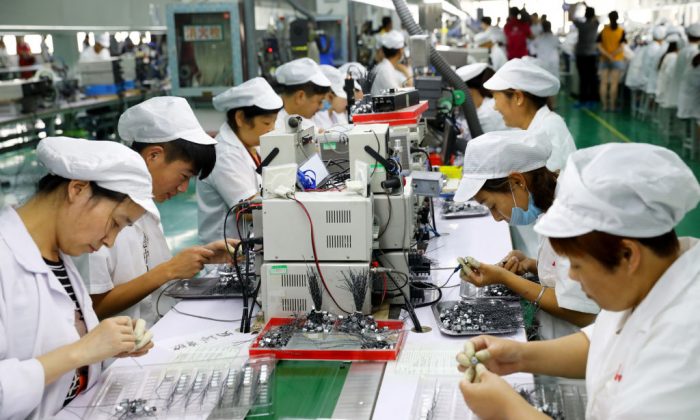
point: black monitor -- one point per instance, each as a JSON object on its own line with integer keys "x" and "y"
{"x": 449, "y": 142}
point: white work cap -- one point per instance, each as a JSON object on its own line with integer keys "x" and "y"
{"x": 631, "y": 190}
{"x": 300, "y": 71}
{"x": 102, "y": 39}
{"x": 160, "y": 120}
{"x": 356, "y": 70}
{"x": 393, "y": 39}
{"x": 693, "y": 30}
{"x": 109, "y": 164}
{"x": 673, "y": 38}
{"x": 526, "y": 76}
{"x": 497, "y": 154}
{"x": 470, "y": 71}
{"x": 254, "y": 92}
{"x": 658, "y": 33}
{"x": 482, "y": 38}
{"x": 337, "y": 80}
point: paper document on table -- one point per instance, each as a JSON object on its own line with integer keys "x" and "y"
{"x": 217, "y": 343}
{"x": 416, "y": 360}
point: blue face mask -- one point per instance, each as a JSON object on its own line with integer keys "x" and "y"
{"x": 326, "y": 105}
{"x": 519, "y": 217}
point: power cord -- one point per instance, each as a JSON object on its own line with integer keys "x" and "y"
{"x": 407, "y": 301}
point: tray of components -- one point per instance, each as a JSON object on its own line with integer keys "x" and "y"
{"x": 558, "y": 401}
{"x": 215, "y": 389}
{"x": 223, "y": 284}
{"x": 320, "y": 335}
{"x": 478, "y": 316}
{"x": 492, "y": 291}
{"x": 453, "y": 210}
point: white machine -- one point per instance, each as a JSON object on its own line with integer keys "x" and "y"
{"x": 294, "y": 144}
{"x": 368, "y": 135}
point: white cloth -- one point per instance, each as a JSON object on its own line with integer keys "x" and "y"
{"x": 137, "y": 249}
{"x": 665, "y": 79}
{"x": 683, "y": 64}
{"x": 689, "y": 96}
{"x": 552, "y": 270}
{"x": 254, "y": 92}
{"x": 162, "y": 119}
{"x": 546, "y": 48}
{"x": 89, "y": 54}
{"x": 325, "y": 119}
{"x": 232, "y": 180}
{"x": 596, "y": 192}
{"x": 555, "y": 129}
{"x": 498, "y": 57}
{"x": 36, "y": 316}
{"x": 300, "y": 71}
{"x": 651, "y": 65}
{"x": 386, "y": 77}
{"x": 489, "y": 118}
{"x": 281, "y": 121}
{"x": 526, "y": 76}
{"x": 111, "y": 165}
{"x": 636, "y": 73}
{"x": 643, "y": 364}
{"x": 470, "y": 71}
{"x": 393, "y": 39}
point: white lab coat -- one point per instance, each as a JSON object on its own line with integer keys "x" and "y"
{"x": 89, "y": 54}
{"x": 553, "y": 271}
{"x": 498, "y": 57}
{"x": 36, "y": 316}
{"x": 546, "y": 48}
{"x": 652, "y": 57}
{"x": 689, "y": 97}
{"x": 636, "y": 74}
{"x": 134, "y": 246}
{"x": 281, "y": 121}
{"x": 325, "y": 119}
{"x": 386, "y": 77}
{"x": 556, "y": 131}
{"x": 232, "y": 180}
{"x": 643, "y": 363}
{"x": 664, "y": 80}
{"x": 683, "y": 64}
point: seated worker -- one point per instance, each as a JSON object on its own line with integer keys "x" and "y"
{"x": 165, "y": 132}
{"x": 474, "y": 75}
{"x": 99, "y": 51}
{"x": 390, "y": 73}
{"x": 251, "y": 110}
{"x": 303, "y": 88}
{"x": 520, "y": 89}
{"x": 613, "y": 217}
{"x": 334, "y": 111}
{"x": 51, "y": 343}
{"x": 505, "y": 171}
{"x": 359, "y": 73}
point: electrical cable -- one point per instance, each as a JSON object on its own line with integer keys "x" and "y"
{"x": 407, "y": 302}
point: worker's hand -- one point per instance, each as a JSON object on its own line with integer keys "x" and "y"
{"x": 221, "y": 255}
{"x": 500, "y": 356}
{"x": 484, "y": 275}
{"x": 111, "y": 337}
{"x": 138, "y": 353}
{"x": 517, "y": 262}
{"x": 188, "y": 262}
{"x": 491, "y": 397}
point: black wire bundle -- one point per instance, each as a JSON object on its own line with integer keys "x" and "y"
{"x": 315, "y": 289}
{"x": 357, "y": 284}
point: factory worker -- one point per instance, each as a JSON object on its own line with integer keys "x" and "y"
{"x": 303, "y": 88}
{"x": 505, "y": 171}
{"x": 688, "y": 97}
{"x": 359, "y": 74}
{"x": 51, "y": 343}
{"x": 123, "y": 279}
{"x": 667, "y": 66}
{"x": 652, "y": 58}
{"x": 251, "y": 110}
{"x": 99, "y": 51}
{"x": 474, "y": 75}
{"x": 685, "y": 56}
{"x": 613, "y": 217}
{"x": 334, "y": 111}
{"x": 390, "y": 73}
{"x": 520, "y": 90}
{"x": 546, "y": 48}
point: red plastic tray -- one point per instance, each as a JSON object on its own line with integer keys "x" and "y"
{"x": 345, "y": 355}
{"x": 405, "y": 116}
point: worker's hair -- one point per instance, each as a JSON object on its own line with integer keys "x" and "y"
{"x": 477, "y": 82}
{"x": 50, "y": 182}
{"x": 590, "y": 13}
{"x": 201, "y": 156}
{"x": 546, "y": 27}
{"x": 309, "y": 88}
{"x": 391, "y": 52}
{"x": 540, "y": 182}
{"x": 696, "y": 60}
{"x": 386, "y": 21}
{"x": 613, "y": 16}
{"x": 693, "y": 38}
{"x": 486, "y": 20}
{"x": 607, "y": 249}
{"x": 513, "y": 12}
{"x": 249, "y": 112}
{"x": 672, "y": 48}
{"x": 537, "y": 101}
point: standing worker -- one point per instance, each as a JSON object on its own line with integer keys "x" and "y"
{"x": 390, "y": 73}
{"x": 586, "y": 54}
{"x": 611, "y": 44}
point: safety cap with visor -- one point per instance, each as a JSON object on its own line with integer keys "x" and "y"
{"x": 301, "y": 71}
{"x": 525, "y": 76}
{"x": 629, "y": 190}
{"x": 109, "y": 164}
{"x": 497, "y": 154}
{"x": 254, "y": 92}
{"x": 160, "y": 120}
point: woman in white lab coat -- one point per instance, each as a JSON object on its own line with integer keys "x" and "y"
{"x": 51, "y": 343}
{"x": 474, "y": 75}
{"x": 546, "y": 48}
{"x": 667, "y": 67}
{"x": 505, "y": 171}
{"x": 251, "y": 111}
{"x": 613, "y": 217}
{"x": 520, "y": 89}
